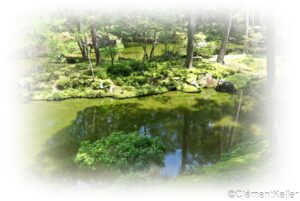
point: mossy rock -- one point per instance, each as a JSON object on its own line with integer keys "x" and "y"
{"x": 189, "y": 88}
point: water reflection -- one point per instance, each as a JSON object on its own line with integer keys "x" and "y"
{"x": 195, "y": 134}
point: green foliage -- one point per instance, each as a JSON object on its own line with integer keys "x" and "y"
{"x": 126, "y": 68}
{"x": 60, "y": 43}
{"x": 101, "y": 73}
{"x": 120, "y": 69}
{"x": 63, "y": 84}
{"x": 46, "y": 77}
{"x": 208, "y": 50}
{"x": 82, "y": 65}
{"x": 120, "y": 151}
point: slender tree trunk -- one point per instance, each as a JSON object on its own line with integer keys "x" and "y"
{"x": 246, "y": 32}
{"x": 81, "y": 41}
{"x": 112, "y": 57}
{"x": 222, "y": 50}
{"x": 190, "y": 43}
{"x": 153, "y": 46}
{"x": 81, "y": 49}
{"x": 89, "y": 58}
{"x": 95, "y": 45}
{"x": 174, "y": 42}
{"x": 145, "y": 56}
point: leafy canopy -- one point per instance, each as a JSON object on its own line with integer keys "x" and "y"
{"x": 120, "y": 151}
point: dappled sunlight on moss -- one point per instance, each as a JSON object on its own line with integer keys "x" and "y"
{"x": 56, "y": 81}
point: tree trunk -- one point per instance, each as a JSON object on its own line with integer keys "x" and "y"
{"x": 222, "y": 50}
{"x": 153, "y": 46}
{"x": 112, "y": 56}
{"x": 81, "y": 42}
{"x": 190, "y": 43}
{"x": 246, "y": 32}
{"x": 83, "y": 54}
{"x": 145, "y": 57}
{"x": 95, "y": 45}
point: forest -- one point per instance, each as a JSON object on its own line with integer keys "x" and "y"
{"x": 143, "y": 95}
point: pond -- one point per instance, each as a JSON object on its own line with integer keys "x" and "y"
{"x": 196, "y": 128}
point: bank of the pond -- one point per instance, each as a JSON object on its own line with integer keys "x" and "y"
{"x": 129, "y": 78}
{"x": 247, "y": 161}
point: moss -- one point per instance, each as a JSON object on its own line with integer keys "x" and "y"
{"x": 63, "y": 84}
{"x": 189, "y": 88}
{"x": 238, "y": 80}
{"x": 81, "y": 66}
{"x": 143, "y": 79}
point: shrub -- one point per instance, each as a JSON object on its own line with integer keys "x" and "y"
{"x": 63, "y": 84}
{"x": 127, "y": 67}
{"x": 211, "y": 48}
{"x": 95, "y": 85}
{"x": 67, "y": 72}
{"x": 120, "y": 151}
{"x": 120, "y": 69}
{"x": 119, "y": 81}
{"x": 138, "y": 66}
{"x": 87, "y": 72}
{"x": 101, "y": 73}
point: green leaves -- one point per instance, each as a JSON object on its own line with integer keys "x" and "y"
{"x": 120, "y": 151}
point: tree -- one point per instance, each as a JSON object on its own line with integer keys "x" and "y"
{"x": 95, "y": 44}
{"x": 153, "y": 44}
{"x": 226, "y": 34}
{"x": 190, "y": 43}
{"x": 112, "y": 52}
{"x": 81, "y": 39}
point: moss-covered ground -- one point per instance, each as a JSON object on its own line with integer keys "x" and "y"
{"x": 130, "y": 78}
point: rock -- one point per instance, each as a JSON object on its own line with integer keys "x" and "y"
{"x": 111, "y": 89}
{"x": 101, "y": 85}
{"x": 208, "y": 81}
{"x": 194, "y": 83}
{"x": 189, "y": 88}
{"x": 197, "y": 58}
{"x": 225, "y": 86}
{"x": 176, "y": 78}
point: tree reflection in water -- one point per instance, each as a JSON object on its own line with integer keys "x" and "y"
{"x": 195, "y": 134}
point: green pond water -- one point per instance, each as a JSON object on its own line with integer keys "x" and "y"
{"x": 195, "y": 128}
